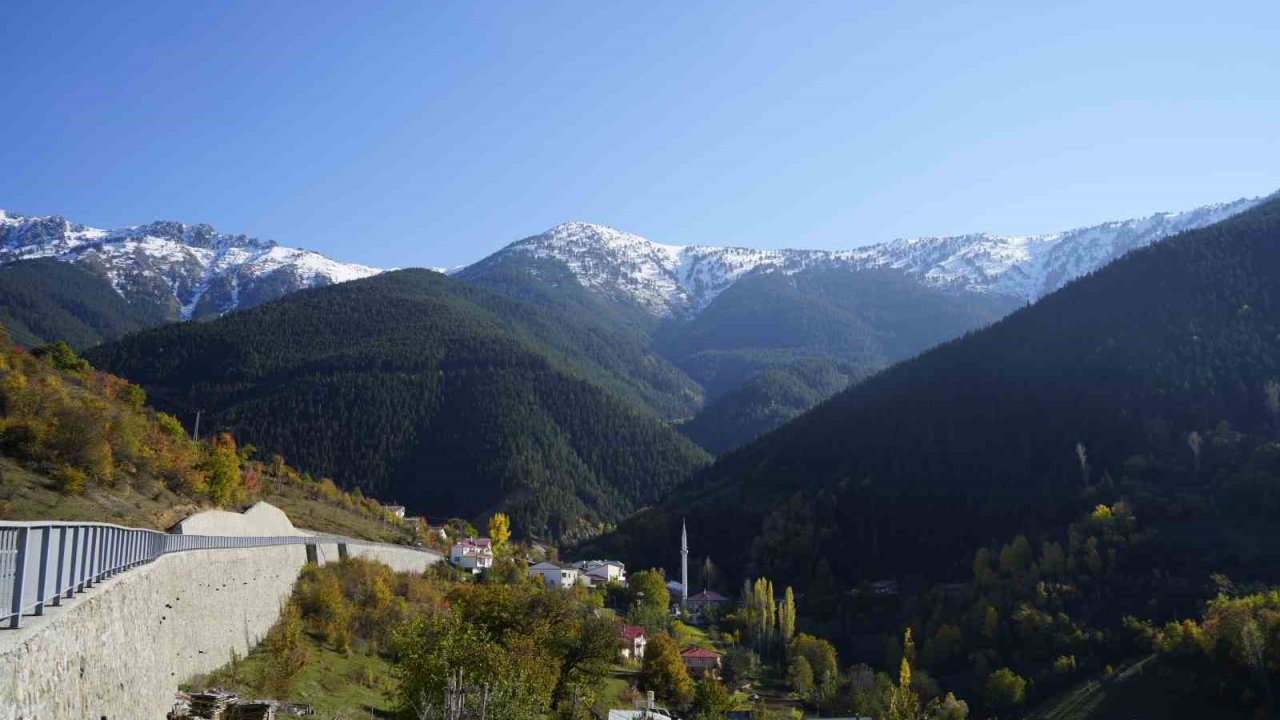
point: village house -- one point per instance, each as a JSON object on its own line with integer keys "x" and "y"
{"x": 472, "y": 554}
{"x": 676, "y": 590}
{"x": 633, "y": 642}
{"x": 704, "y": 601}
{"x": 556, "y": 574}
{"x": 700, "y": 662}
{"x": 397, "y": 510}
{"x": 428, "y": 529}
{"x": 602, "y": 572}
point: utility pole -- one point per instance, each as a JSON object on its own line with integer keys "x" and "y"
{"x": 195, "y": 434}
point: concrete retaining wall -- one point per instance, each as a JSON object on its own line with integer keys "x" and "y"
{"x": 120, "y": 650}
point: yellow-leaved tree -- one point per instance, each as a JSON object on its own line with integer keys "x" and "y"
{"x": 499, "y": 530}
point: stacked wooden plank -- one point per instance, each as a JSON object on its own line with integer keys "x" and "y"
{"x": 211, "y": 704}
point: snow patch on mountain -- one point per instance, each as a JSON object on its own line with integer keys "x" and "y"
{"x": 675, "y": 280}
{"x": 193, "y": 270}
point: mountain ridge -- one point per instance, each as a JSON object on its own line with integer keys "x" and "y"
{"x": 189, "y": 271}
{"x": 1101, "y": 389}
{"x": 679, "y": 281}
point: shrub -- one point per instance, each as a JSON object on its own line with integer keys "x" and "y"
{"x": 69, "y": 480}
{"x": 1005, "y": 689}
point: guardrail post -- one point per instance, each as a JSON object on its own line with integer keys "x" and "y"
{"x": 42, "y": 581}
{"x": 94, "y": 556}
{"x": 72, "y": 576}
{"x": 82, "y": 544}
{"x": 19, "y": 578}
{"x": 114, "y": 564}
{"x": 62, "y": 556}
{"x": 108, "y": 551}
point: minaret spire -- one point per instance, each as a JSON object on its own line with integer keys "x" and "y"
{"x": 684, "y": 562}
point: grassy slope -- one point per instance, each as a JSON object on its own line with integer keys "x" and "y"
{"x": 1142, "y": 690}
{"x": 25, "y": 495}
{"x": 356, "y": 685}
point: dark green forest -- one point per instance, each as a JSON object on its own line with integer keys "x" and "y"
{"x": 1118, "y": 367}
{"x": 46, "y": 300}
{"x": 419, "y": 388}
{"x": 811, "y": 326}
{"x": 766, "y": 401}
{"x": 1046, "y": 494}
{"x": 620, "y": 331}
{"x": 861, "y": 318}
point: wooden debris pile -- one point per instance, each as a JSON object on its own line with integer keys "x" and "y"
{"x": 222, "y": 705}
{"x": 211, "y": 704}
{"x": 254, "y": 710}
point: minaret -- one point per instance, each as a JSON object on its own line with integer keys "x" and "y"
{"x": 684, "y": 562}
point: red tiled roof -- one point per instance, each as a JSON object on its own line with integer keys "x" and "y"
{"x": 700, "y": 653}
{"x": 631, "y": 632}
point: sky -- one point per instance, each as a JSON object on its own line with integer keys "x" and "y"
{"x": 405, "y": 134}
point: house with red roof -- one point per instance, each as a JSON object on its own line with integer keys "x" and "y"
{"x": 633, "y": 641}
{"x": 700, "y": 662}
{"x": 704, "y": 601}
{"x": 472, "y": 554}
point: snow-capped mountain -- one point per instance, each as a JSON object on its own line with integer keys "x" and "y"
{"x": 191, "y": 271}
{"x": 676, "y": 281}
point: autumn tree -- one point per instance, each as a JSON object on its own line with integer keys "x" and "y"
{"x": 286, "y": 651}
{"x": 436, "y": 655}
{"x": 663, "y": 672}
{"x": 787, "y": 618}
{"x": 904, "y": 703}
{"x": 800, "y": 677}
{"x": 761, "y": 613}
{"x": 222, "y": 469}
{"x": 1005, "y": 689}
{"x": 499, "y": 530}
{"x": 711, "y": 700}
{"x": 950, "y": 708}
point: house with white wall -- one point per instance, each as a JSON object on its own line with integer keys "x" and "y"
{"x": 472, "y": 554}
{"x": 556, "y": 574}
{"x": 633, "y": 639}
{"x": 602, "y": 572}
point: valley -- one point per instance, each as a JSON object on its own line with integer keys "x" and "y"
{"x": 1133, "y": 410}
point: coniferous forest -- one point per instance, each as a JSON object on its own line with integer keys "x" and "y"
{"x": 417, "y": 388}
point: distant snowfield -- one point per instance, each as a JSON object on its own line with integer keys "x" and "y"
{"x": 674, "y": 280}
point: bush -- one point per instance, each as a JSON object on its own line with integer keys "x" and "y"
{"x": 1005, "y": 689}
{"x": 69, "y": 480}
{"x": 22, "y": 439}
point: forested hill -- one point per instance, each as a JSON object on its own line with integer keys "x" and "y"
{"x": 449, "y": 398}
{"x": 1014, "y": 427}
{"x": 768, "y": 400}
{"x": 44, "y": 300}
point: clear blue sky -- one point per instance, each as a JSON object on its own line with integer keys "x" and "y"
{"x": 408, "y": 133}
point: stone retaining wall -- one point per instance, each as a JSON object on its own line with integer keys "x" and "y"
{"x": 120, "y": 650}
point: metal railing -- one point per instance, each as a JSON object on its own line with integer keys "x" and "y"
{"x": 44, "y": 563}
